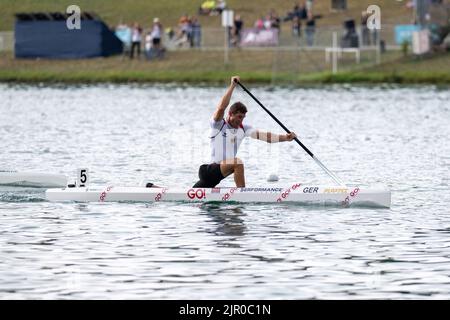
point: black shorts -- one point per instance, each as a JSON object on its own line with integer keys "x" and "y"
{"x": 209, "y": 175}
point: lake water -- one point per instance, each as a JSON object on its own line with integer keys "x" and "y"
{"x": 395, "y": 137}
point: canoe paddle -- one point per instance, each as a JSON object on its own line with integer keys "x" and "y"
{"x": 331, "y": 174}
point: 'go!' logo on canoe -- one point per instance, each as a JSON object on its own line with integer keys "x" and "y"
{"x": 196, "y": 193}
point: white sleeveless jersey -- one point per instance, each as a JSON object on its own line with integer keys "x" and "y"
{"x": 225, "y": 140}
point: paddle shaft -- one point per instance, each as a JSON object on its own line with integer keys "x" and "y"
{"x": 332, "y": 175}
{"x": 275, "y": 118}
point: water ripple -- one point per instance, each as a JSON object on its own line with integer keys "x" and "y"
{"x": 124, "y": 134}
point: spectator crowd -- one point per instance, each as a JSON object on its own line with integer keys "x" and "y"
{"x": 188, "y": 31}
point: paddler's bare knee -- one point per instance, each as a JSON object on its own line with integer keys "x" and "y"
{"x": 232, "y": 161}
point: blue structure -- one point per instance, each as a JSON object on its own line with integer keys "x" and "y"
{"x": 47, "y": 36}
{"x": 403, "y": 32}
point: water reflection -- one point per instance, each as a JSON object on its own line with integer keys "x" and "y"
{"x": 228, "y": 221}
{"x": 82, "y": 207}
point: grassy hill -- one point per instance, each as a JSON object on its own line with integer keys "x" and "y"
{"x": 197, "y": 66}
{"x": 169, "y": 11}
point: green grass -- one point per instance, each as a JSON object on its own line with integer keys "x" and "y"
{"x": 208, "y": 67}
{"x": 378, "y": 77}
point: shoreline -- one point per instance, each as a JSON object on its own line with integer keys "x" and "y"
{"x": 201, "y": 78}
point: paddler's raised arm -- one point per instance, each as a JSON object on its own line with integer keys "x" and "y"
{"x": 219, "y": 113}
{"x": 272, "y": 137}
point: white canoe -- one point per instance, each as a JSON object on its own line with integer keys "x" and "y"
{"x": 296, "y": 193}
{"x": 32, "y": 179}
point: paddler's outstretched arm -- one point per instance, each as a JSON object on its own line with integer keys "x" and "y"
{"x": 272, "y": 137}
{"x": 219, "y": 113}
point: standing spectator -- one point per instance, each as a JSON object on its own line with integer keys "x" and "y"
{"x": 148, "y": 45}
{"x": 153, "y": 45}
{"x": 275, "y": 20}
{"x": 296, "y": 27}
{"x": 302, "y": 12}
{"x": 374, "y": 35}
{"x": 136, "y": 38}
{"x": 156, "y": 34}
{"x": 236, "y": 31}
{"x": 310, "y": 29}
{"x": 365, "y": 34}
{"x": 196, "y": 28}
